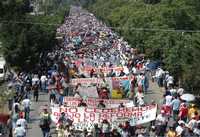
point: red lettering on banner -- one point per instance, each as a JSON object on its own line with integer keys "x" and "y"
{"x": 92, "y": 117}
{"x": 74, "y": 103}
{"x": 127, "y": 114}
{"x": 77, "y": 115}
{"x": 90, "y": 110}
{"x": 134, "y": 109}
{"x": 73, "y": 110}
{"x": 119, "y": 115}
{"x": 104, "y": 116}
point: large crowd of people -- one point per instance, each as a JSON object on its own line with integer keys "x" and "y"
{"x": 89, "y": 49}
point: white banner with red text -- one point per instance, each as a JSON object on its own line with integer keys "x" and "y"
{"x": 84, "y": 117}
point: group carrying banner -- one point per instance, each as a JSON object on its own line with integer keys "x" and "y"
{"x": 84, "y": 117}
{"x": 119, "y": 87}
{"x": 93, "y": 102}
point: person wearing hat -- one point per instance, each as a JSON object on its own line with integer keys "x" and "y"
{"x": 180, "y": 128}
{"x": 19, "y": 131}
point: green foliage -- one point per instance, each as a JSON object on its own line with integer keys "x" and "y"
{"x": 146, "y": 24}
{"x": 25, "y": 36}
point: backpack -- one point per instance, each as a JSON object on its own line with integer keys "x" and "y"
{"x": 45, "y": 121}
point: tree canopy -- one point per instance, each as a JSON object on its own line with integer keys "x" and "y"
{"x": 24, "y": 36}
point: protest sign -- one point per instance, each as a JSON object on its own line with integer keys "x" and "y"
{"x": 93, "y": 102}
{"x": 87, "y": 81}
{"x": 88, "y": 91}
{"x": 84, "y": 117}
{"x": 121, "y": 86}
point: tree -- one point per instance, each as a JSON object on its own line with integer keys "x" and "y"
{"x": 24, "y": 36}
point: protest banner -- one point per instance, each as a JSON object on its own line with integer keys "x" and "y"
{"x": 103, "y": 69}
{"x": 84, "y": 81}
{"x": 84, "y": 117}
{"x": 88, "y": 91}
{"x": 121, "y": 86}
{"x": 93, "y": 102}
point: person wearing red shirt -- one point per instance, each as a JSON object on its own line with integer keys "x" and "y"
{"x": 183, "y": 112}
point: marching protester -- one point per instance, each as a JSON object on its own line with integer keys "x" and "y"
{"x": 45, "y": 122}
{"x": 26, "y": 103}
{"x": 19, "y": 131}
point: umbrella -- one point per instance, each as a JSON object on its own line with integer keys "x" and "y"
{"x": 188, "y": 97}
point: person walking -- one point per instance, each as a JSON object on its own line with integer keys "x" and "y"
{"x": 26, "y": 103}
{"x": 45, "y": 122}
{"x": 36, "y": 92}
{"x": 19, "y": 131}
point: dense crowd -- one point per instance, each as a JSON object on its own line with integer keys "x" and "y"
{"x": 88, "y": 43}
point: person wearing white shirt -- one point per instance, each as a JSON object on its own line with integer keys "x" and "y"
{"x": 43, "y": 80}
{"x": 192, "y": 123}
{"x": 159, "y": 76}
{"x": 26, "y": 104}
{"x": 170, "y": 81}
{"x": 180, "y": 128}
{"x": 168, "y": 100}
{"x": 35, "y": 79}
{"x": 19, "y": 131}
{"x": 21, "y": 121}
{"x": 161, "y": 122}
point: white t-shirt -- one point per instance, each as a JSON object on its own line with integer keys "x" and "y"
{"x": 168, "y": 100}
{"x": 16, "y": 104}
{"x": 179, "y": 130}
{"x": 197, "y": 131}
{"x": 20, "y": 131}
{"x": 170, "y": 80}
{"x": 35, "y": 80}
{"x": 22, "y": 122}
{"x": 172, "y": 91}
{"x": 26, "y": 102}
{"x": 43, "y": 79}
{"x": 192, "y": 124}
